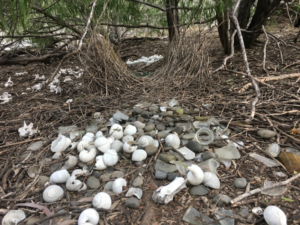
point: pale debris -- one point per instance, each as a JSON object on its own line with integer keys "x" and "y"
{"x": 9, "y": 83}
{"x": 54, "y": 86}
{"x": 67, "y": 79}
{"x": 69, "y": 101}
{"x": 21, "y": 73}
{"x": 5, "y": 97}
{"x": 37, "y": 87}
{"x": 144, "y": 60}
{"x": 26, "y": 130}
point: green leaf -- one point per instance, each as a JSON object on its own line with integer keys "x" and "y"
{"x": 81, "y": 96}
{"x": 182, "y": 164}
{"x": 287, "y": 199}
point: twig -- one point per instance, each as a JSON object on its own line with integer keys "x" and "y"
{"x": 223, "y": 66}
{"x": 242, "y": 45}
{"x": 241, "y": 197}
{"x": 265, "y": 50}
{"x": 227, "y": 126}
{"x": 279, "y": 49}
{"x": 22, "y": 142}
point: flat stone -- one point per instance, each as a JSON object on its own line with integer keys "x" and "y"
{"x": 137, "y": 181}
{"x": 208, "y": 155}
{"x": 145, "y": 115}
{"x": 139, "y": 124}
{"x": 178, "y": 130}
{"x": 166, "y": 157}
{"x": 163, "y": 134}
{"x": 186, "y": 118}
{"x": 105, "y": 177}
{"x": 32, "y": 220}
{"x": 151, "y": 150}
{"x": 264, "y": 133}
{"x": 199, "y": 190}
{"x": 149, "y": 127}
{"x": 221, "y": 200}
{"x": 141, "y": 119}
{"x": 132, "y": 203}
{"x": 96, "y": 174}
{"x": 117, "y": 174}
{"x": 240, "y": 182}
{"x": 189, "y": 136}
{"x": 160, "y": 127}
{"x": 169, "y": 119}
{"x": 43, "y": 180}
{"x": 172, "y": 176}
{"x": 195, "y": 146}
{"x": 108, "y": 186}
{"x": 93, "y": 182}
{"x": 160, "y": 175}
{"x": 138, "y": 110}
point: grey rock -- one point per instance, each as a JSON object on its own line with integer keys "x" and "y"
{"x": 56, "y": 166}
{"x": 169, "y": 119}
{"x": 137, "y": 181}
{"x": 160, "y": 127}
{"x": 96, "y": 174}
{"x": 141, "y": 119}
{"x": 119, "y": 116}
{"x": 164, "y": 167}
{"x": 139, "y": 163}
{"x": 192, "y": 216}
{"x": 172, "y": 176}
{"x": 139, "y": 124}
{"x": 240, "y": 182}
{"x": 186, "y": 118}
{"x": 189, "y": 136}
{"x": 151, "y": 150}
{"x": 178, "y": 130}
{"x": 93, "y": 182}
{"x": 138, "y": 110}
{"x": 221, "y": 200}
{"x": 109, "y": 170}
{"x": 195, "y": 146}
{"x": 199, "y": 190}
{"x": 132, "y": 203}
{"x": 264, "y": 133}
{"x": 244, "y": 212}
{"x": 163, "y": 134}
{"x": 166, "y": 157}
{"x": 227, "y": 221}
{"x": 145, "y": 115}
{"x": 43, "y": 180}
{"x": 149, "y": 127}
{"x": 208, "y": 155}
{"x": 108, "y": 186}
{"x": 105, "y": 177}
{"x": 160, "y": 175}
{"x": 117, "y": 174}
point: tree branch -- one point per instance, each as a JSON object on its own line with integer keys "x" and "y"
{"x": 265, "y": 50}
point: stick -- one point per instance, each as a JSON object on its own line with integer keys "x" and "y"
{"x": 241, "y": 197}
{"x": 265, "y": 51}
{"x": 22, "y": 142}
{"x": 240, "y": 36}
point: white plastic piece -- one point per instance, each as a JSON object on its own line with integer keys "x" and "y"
{"x": 110, "y": 157}
{"x": 9, "y": 83}
{"x": 135, "y": 192}
{"x": 37, "y": 87}
{"x": 165, "y": 194}
{"x": 116, "y": 131}
{"x": 195, "y": 175}
{"x": 60, "y": 176}
{"x": 144, "y": 60}
{"x": 89, "y": 217}
{"x": 69, "y": 101}
{"x": 13, "y": 217}
{"x": 274, "y": 216}
{"x": 139, "y": 155}
{"x": 53, "y": 193}
{"x": 5, "y": 97}
{"x": 118, "y": 184}
{"x": 100, "y": 165}
{"x": 102, "y": 200}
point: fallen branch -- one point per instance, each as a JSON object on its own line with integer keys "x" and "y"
{"x": 247, "y": 194}
{"x": 242, "y": 45}
{"x": 265, "y": 51}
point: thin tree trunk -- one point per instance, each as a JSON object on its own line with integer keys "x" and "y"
{"x": 172, "y": 18}
{"x": 223, "y": 29}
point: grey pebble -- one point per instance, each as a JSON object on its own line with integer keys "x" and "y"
{"x": 137, "y": 181}
{"x": 160, "y": 175}
{"x": 149, "y": 127}
{"x": 199, "y": 190}
{"x": 117, "y": 174}
{"x": 132, "y": 203}
{"x": 93, "y": 182}
{"x": 264, "y": 133}
{"x": 208, "y": 155}
{"x": 195, "y": 146}
{"x": 171, "y": 176}
{"x": 160, "y": 127}
{"x": 166, "y": 157}
{"x": 221, "y": 200}
{"x": 151, "y": 150}
{"x": 240, "y": 182}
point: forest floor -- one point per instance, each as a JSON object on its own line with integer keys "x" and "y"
{"x": 278, "y": 109}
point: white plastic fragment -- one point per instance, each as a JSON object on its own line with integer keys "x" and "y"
{"x": 144, "y": 60}
{"x": 26, "y": 130}
{"x": 5, "y": 97}
{"x": 67, "y": 79}
{"x": 165, "y": 194}
{"x": 54, "y": 86}
{"x": 69, "y": 101}
{"x": 135, "y": 192}
{"x": 37, "y": 87}
{"x": 9, "y": 83}
{"x": 20, "y": 74}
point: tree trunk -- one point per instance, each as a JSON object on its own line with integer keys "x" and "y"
{"x": 263, "y": 10}
{"x": 223, "y": 29}
{"x": 172, "y": 18}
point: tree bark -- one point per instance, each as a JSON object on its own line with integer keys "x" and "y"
{"x": 223, "y": 29}
{"x": 263, "y": 10}
{"x": 172, "y": 18}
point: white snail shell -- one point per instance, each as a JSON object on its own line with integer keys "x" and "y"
{"x": 89, "y": 217}
{"x": 13, "y": 217}
{"x": 102, "y": 200}
{"x": 100, "y": 165}
{"x": 98, "y": 134}
{"x": 102, "y": 143}
{"x": 72, "y": 161}
{"x": 117, "y": 145}
{"x": 82, "y": 145}
{"x": 110, "y": 157}
{"x": 130, "y": 130}
{"x": 172, "y": 140}
{"x": 274, "y": 216}
{"x": 88, "y": 137}
{"x": 118, "y": 184}
{"x": 127, "y": 138}
{"x": 211, "y": 180}
{"x": 129, "y": 147}
{"x": 60, "y": 143}
{"x": 116, "y": 131}
{"x": 53, "y": 193}
{"x": 145, "y": 140}
{"x": 60, "y": 176}
{"x": 75, "y": 185}
{"x": 195, "y": 175}
{"x": 87, "y": 155}
{"x": 139, "y": 155}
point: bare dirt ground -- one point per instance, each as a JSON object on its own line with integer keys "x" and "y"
{"x": 47, "y": 111}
